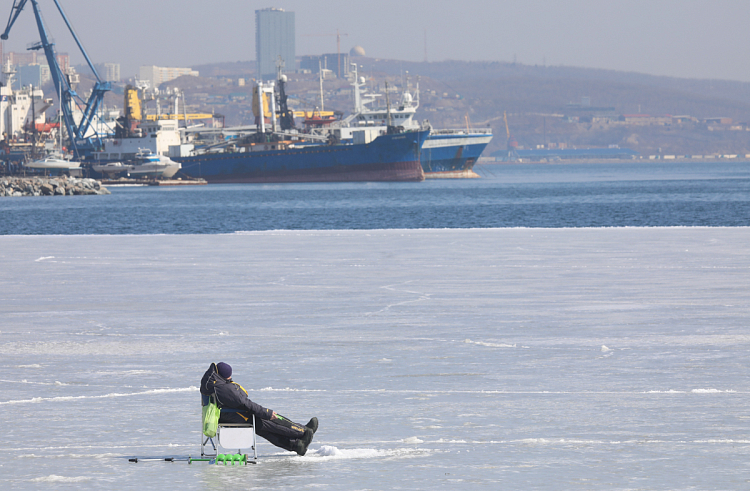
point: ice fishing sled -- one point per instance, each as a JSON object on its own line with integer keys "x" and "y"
{"x": 230, "y": 436}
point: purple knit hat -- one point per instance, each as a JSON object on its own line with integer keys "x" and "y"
{"x": 225, "y": 371}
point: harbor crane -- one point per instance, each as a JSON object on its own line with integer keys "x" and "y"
{"x": 77, "y": 132}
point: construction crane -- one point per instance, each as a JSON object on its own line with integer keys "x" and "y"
{"x": 338, "y": 44}
{"x": 512, "y": 143}
{"x": 63, "y": 85}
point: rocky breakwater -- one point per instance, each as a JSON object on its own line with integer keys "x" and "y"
{"x": 50, "y": 186}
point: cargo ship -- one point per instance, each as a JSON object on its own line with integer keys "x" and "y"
{"x": 447, "y": 153}
{"x": 390, "y": 157}
{"x": 278, "y": 152}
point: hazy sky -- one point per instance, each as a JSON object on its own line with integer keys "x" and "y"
{"x": 682, "y": 38}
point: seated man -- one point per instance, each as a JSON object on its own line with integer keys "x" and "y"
{"x": 282, "y": 432}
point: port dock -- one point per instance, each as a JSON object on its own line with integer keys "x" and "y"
{"x": 153, "y": 182}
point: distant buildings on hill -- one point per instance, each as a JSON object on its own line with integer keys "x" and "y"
{"x": 157, "y": 75}
{"x": 31, "y": 68}
{"x": 331, "y": 64}
{"x": 275, "y": 40}
{"x": 109, "y": 72}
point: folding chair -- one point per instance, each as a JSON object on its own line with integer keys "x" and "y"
{"x": 231, "y": 436}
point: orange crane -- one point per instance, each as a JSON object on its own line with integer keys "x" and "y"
{"x": 338, "y": 44}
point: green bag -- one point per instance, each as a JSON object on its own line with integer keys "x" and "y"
{"x": 211, "y": 414}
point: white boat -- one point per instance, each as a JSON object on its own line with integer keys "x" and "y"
{"x": 148, "y": 164}
{"x": 53, "y": 163}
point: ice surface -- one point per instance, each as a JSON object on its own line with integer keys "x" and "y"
{"x": 459, "y": 359}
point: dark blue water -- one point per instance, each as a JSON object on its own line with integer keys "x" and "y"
{"x": 524, "y": 195}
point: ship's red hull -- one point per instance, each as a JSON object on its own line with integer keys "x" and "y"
{"x": 401, "y": 171}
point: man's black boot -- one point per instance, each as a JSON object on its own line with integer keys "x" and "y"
{"x": 300, "y": 447}
{"x": 307, "y": 437}
{"x": 313, "y": 424}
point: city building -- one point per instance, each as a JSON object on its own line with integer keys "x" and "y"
{"x": 109, "y": 72}
{"x": 34, "y": 74}
{"x": 20, "y": 59}
{"x": 34, "y": 58}
{"x": 274, "y": 38}
{"x": 157, "y": 75}
{"x": 330, "y": 62}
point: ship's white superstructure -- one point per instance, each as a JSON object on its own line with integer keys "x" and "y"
{"x": 155, "y": 136}
{"x": 16, "y": 106}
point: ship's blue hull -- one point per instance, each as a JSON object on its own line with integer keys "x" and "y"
{"x": 387, "y": 158}
{"x": 452, "y": 155}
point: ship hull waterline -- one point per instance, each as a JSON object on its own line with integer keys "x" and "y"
{"x": 399, "y": 172}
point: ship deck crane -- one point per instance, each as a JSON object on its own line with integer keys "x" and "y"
{"x": 76, "y": 131}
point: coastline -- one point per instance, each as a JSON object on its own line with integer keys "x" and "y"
{"x": 619, "y": 161}
{"x": 50, "y": 186}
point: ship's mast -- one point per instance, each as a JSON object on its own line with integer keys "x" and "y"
{"x": 388, "y": 105}
{"x": 357, "y": 94}
{"x": 320, "y": 77}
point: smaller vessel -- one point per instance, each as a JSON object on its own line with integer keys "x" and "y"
{"x": 110, "y": 169}
{"x": 150, "y": 165}
{"x": 52, "y": 162}
{"x": 146, "y": 165}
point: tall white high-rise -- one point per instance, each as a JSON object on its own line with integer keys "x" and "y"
{"x": 274, "y": 38}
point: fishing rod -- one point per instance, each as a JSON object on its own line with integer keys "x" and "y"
{"x": 226, "y": 459}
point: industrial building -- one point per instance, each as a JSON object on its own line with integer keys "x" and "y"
{"x": 274, "y": 38}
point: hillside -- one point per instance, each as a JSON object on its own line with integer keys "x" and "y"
{"x": 536, "y": 99}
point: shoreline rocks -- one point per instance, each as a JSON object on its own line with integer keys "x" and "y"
{"x": 50, "y": 186}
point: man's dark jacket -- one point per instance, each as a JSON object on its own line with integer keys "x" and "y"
{"x": 230, "y": 394}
